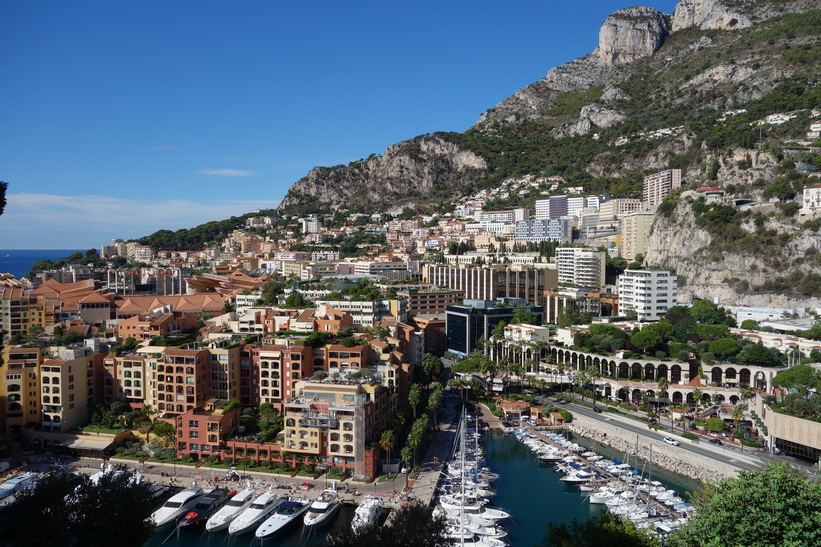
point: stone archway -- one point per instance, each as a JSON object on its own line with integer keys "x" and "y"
{"x": 717, "y": 376}
{"x": 677, "y": 397}
{"x": 649, "y": 372}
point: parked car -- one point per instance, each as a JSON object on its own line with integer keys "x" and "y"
{"x": 673, "y": 442}
{"x": 715, "y": 442}
{"x": 597, "y": 410}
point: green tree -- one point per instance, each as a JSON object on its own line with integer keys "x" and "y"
{"x": 386, "y": 442}
{"x": 165, "y": 431}
{"x": 716, "y": 425}
{"x": 725, "y": 347}
{"x": 415, "y": 397}
{"x": 704, "y": 311}
{"x": 645, "y": 339}
{"x": 758, "y": 355}
{"x": 411, "y": 526}
{"x": 3, "y": 187}
{"x": 267, "y": 411}
{"x": 114, "y": 511}
{"x": 604, "y": 529}
{"x": 776, "y": 506}
{"x": 432, "y": 367}
{"x": 749, "y": 324}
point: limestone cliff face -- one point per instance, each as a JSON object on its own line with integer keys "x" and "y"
{"x": 625, "y": 36}
{"x": 408, "y": 171}
{"x": 711, "y": 271}
{"x": 630, "y": 34}
{"x": 708, "y": 14}
{"x": 732, "y": 14}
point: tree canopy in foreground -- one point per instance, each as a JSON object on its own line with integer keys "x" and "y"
{"x": 411, "y": 526}
{"x": 66, "y": 510}
{"x": 777, "y": 506}
{"x": 604, "y": 529}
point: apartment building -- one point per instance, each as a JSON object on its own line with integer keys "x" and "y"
{"x": 224, "y": 373}
{"x": 428, "y": 301}
{"x": 67, "y": 391}
{"x": 490, "y": 283}
{"x": 182, "y": 380}
{"x": 203, "y": 431}
{"x": 538, "y": 230}
{"x": 580, "y": 267}
{"x": 147, "y": 326}
{"x": 280, "y": 367}
{"x": 647, "y": 292}
{"x": 21, "y": 387}
{"x": 635, "y": 231}
{"x": 19, "y": 311}
{"x": 370, "y": 313}
{"x": 611, "y": 211}
{"x": 554, "y": 207}
{"x": 657, "y": 186}
{"x": 127, "y": 378}
{"x": 336, "y": 421}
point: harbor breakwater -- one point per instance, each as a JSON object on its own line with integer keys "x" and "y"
{"x": 663, "y": 455}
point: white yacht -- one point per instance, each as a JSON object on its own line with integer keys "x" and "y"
{"x": 366, "y": 515}
{"x": 176, "y": 506}
{"x": 323, "y": 508}
{"x": 259, "y": 509}
{"x": 283, "y": 518}
{"x": 20, "y": 482}
{"x": 236, "y": 505}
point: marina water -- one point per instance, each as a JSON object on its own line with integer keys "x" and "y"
{"x": 530, "y": 491}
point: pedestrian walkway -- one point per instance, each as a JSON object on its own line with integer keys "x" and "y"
{"x": 425, "y": 485}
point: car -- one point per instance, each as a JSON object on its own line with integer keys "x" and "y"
{"x": 673, "y": 442}
{"x": 597, "y": 410}
{"x": 715, "y": 442}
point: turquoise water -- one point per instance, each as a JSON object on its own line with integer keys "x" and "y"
{"x": 534, "y": 495}
{"x": 530, "y": 491}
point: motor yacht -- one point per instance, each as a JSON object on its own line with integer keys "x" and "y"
{"x": 20, "y": 482}
{"x": 236, "y": 505}
{"x": 176, "y": 506}
{"x": 283, "y": 518}
{"x": 366, "y": 515}
{"x": 255, "y": 513}
{"x": 323, "y": 508}
{"x": 204, "y": 508}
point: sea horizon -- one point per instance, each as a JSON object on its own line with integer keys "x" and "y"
{"x": 18, "y": 262}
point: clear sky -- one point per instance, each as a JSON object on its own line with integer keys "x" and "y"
{"x": 123, "y": 118}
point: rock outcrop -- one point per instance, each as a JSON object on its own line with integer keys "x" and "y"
{"x": 408, "y": 171}
{"x": 631, "y": 34}
{"x": 708, "y": 15}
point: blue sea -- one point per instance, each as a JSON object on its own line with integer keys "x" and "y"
{"x": 18, "y": 262}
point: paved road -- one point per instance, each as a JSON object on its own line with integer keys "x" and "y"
{"x": 742, "y": 459}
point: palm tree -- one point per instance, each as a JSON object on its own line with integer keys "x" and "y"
{"x": 267, "y": 411}
{"x": 386, "y": 443}
{"x": 738, "y": 415}
{"x": 415, "y": 397}
{"x": 697, "y": 394}
{"x": 664, "y": 383}
{"x": 407, "y": 457}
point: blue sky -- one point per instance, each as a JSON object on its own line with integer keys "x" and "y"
{"x": 122, "y": 118}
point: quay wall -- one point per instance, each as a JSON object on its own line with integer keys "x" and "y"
{"x": 665, "y": 456}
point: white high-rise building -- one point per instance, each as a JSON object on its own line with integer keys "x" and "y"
{"x": 650, "y": 293}
{"x": 580, "y": 267}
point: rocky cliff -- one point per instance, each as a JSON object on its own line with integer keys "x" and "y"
{"x": 407, "y": 172}
{"x": 649, "y": 97}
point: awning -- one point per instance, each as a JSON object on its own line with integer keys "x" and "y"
{"x": 87, "y": 444}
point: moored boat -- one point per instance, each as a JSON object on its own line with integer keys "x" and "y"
{"x": 283, "y": 518}
{"x": 231, "y": 510}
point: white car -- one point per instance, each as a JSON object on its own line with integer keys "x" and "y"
{"x": 674, "y": 442}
